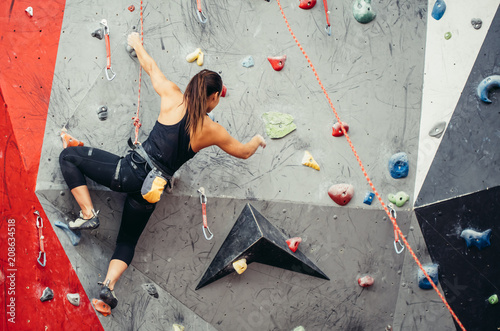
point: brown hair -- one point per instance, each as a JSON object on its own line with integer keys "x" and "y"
{"x": 201, "y": 86}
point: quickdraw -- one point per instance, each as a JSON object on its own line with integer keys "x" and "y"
{"x": 203, "y": 19}
{"x": 328, "y": 28}
{"x": 39, "y": 225}
{"x": 108, "y": 50}
{"x": 396, "y": 236}
{"x": 203, "y": 201}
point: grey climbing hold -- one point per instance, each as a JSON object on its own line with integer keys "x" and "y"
{"x": 399, "y": 198}
{"x": 438, "y": 9}
{"x": 99, "y": 34}
{"x": 73, "y": 298}
{"x": 278, "y": 124}
{"x": 476, "y": 238}
{"x": 476, "y": 23}
{"x": 437, "y": 130}
{"x": 299, "y": 328}
{"x": 102, "y": 113}
{"x": 362, "y": 11}
{"x": 151, "y": 289}
{"x": 47, "y": 294}
{"x": 487, "y": 84}
{"x": 74, "y": 236}
{"x": 398, "y": 165}
{"x": 248, "y": 62}
{"x": 432, "y": 271}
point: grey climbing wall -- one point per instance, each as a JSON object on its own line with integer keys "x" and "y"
{"x": 373, "y": 74}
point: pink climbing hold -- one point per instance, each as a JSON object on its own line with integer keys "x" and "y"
{"x": 307, "y": 4}
{"x": 224, "y": 91}
{"x": 366, "y": 281}
{"x": 278, "y": 62}
{"x": 293, "y": 243}
{"x": 341, "y": 193}
{"x": 337, "y": 129}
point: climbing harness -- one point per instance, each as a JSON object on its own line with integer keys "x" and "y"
{"x": 328, "y": 28}
{"x": 108, "y": 50}
{"x": 396, "y": 236}
{"x": 203, "y": 201}
{"x": 39, "y": 225}
{"x": 393, "y": 220}
{"x": 203, "y": 19}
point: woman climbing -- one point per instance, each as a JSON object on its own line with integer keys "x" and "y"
{"x": 182, "y": 129}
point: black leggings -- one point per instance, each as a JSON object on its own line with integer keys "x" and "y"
{"x": 102, "y": 167}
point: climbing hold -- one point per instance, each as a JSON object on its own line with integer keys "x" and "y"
{"x": 99, "y": 34}
{"x": 131, "y": 8}
{"x": 131, "y": 51}
{"x": 438, "y": 9}
{"x": 447, "y": 35}
{"x": 277, "y": 62}
{"x": 73, "y": 298}
{"x": 240, "y": 266}
{"x": 199, "y": 60}
{"x": 493, "y": 300}
{"x": 337, "y": 129}
{"x": 278, "y": 124}
{"x": 368, "y": 198}
{"x": 309, "y": 161}
{"x": 68, "y": 140}
{"x": 437, "y": 130}
{"x": 74, "y": 236}
{"x": 29, "y": 11}
{"x": 432, "y": 271}
{"x": 47, "y": 294}
{"x": 102, "y": 113}
{"x": 151, "y": 289}
{"x": 476, "y": 23}
{"x": 248, "y": 62}
{"x": 362, "y": 11}
{"x": 299, "y": 328}
{"x": 487, "y": 84}
{"x": 293, "y": 243}
{"x": 399, "y": 198}
{"x": 366, "y": 281}
{"x": 475, "y": 238}
{"x": 101, "y": 307}
{"x": 178, "y": 327}
{"x": 224, "y": 91}
{"x": 341, "y": 193}
{"x": 398, "y": 165}
{"x": 307, "y": 4}
{"x": 191, "y": 57}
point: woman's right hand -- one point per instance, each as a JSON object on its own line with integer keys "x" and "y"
{"x": 134, "y": 39}
{"x": 260, "y": 139}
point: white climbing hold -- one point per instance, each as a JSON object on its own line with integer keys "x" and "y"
{"x": 73, "y": 298}
{"x": 178, "y": 327}
{"x": 29, "y": 11}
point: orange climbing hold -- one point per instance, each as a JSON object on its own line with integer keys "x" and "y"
{"x": 68, "y": 140}
{"x": 293, "y": 243}
{"x": 278, "y": 62}
{"x": 101, "y": 307}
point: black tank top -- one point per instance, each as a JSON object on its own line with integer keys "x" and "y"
{"x": 169, "y": 145}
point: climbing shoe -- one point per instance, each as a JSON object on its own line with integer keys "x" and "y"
{"x": 85, "y": 224}
{"x": 107, "y": 295}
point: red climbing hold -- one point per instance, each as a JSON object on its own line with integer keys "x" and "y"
{"x": 337, "y": 129}
{"x": 278, "y": 62}
{"x": 224, "y": 91}
{"x": 307, "y": 4}
{"x": 293, "y": 243}
{"x": 341, "y": 193}
{"x": 131, "y": 8}
{"x": 365, "y": 281}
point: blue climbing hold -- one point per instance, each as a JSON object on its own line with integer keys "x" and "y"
{"x": 432, "y": 271}
{"x": 74, "y": 236}
{"x": 486, "y": 85}
{"x": 369, "y": 198}
{"x": 475, "y": 238}
{"x": 398, "y": 165}
{"x": 438, "y": 9}
{"x": 248, "y": 62}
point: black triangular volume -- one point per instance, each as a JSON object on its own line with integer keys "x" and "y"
{"x": 467, "y": 159}
{"x": 254, "y": 238}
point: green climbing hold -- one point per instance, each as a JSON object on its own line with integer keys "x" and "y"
{"x": 447, "y": 35}
{"x": 278, "y": 125}
{"x": 399, "y": 198}
{"x": 362, "y": 10}
{"x": 493, "y": 300}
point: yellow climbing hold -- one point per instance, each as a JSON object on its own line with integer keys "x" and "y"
{"x": 240, "y": 266}
{"x": 178, "y": 327}
{"x": 309, "y": 161}
{"x": 199, "y": 61}
{"x": 191, "y": 57}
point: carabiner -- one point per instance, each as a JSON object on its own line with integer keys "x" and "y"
{"x": 44, "y": 258}
{"x": 203, "y": 201}
{"x": 104, "y": 22}
{"x": 203, "y": 197}
{"x": 396, "y": 247}
{"x": 205, "y": 229}
{"x": 328, "y": 29}
{"x": 392, "y": 210}
{"x": 203, "y": 19}
{"x": 39, "y": 220}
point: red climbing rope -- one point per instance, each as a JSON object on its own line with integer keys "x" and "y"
{"x": 137, "y": 121}
{"x": 397, "y": 230}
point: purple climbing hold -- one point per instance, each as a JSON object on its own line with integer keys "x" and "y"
{"x": 432, "y": 271}
{"x": 398, "y": 165}
{"x": 475, "y": 238}
{"x": 47, "y": 294}
{"x": 438, "y": 9}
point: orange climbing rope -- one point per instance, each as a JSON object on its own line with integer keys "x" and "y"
{"x": 137, "y": 121}
{"x": 397, "y": 230}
